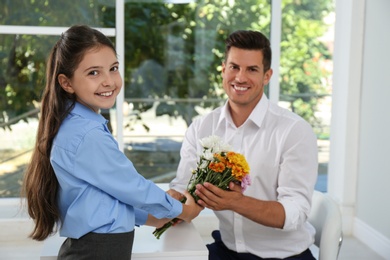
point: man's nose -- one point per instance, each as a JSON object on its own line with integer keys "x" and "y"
{"x": 241, "y": 76}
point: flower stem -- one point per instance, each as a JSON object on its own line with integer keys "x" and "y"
{"x": 159, "y": 231}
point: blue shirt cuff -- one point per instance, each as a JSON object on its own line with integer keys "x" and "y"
{"x": 140, "y": 217}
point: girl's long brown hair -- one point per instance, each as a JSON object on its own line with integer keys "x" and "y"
{"x": 40, "y": 184}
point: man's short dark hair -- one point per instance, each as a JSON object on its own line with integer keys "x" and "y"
{"x": 250, "y": 40}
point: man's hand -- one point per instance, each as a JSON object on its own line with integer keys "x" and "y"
{"x": 267, "y": 213}
{"x": 215, "y": 198}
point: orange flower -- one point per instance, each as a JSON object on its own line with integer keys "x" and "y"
{"x": 217, "y": 166}
{"x": 220, "y": 158}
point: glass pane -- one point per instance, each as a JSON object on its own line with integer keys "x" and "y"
{"x": 58, "y": 13}
{"x": 16, "y": 146}
{"x": 173, "y": 57}
{"x": 22, "y": 58}
{"x": 306, "y": 69}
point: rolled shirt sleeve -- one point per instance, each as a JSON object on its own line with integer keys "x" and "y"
{"x": 297, "y": 174}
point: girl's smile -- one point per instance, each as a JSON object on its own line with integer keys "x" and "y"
{"x": 105, "y": 94}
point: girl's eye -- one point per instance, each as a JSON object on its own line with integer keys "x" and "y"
{"x": 93, "y": 73}
{"x": 115, "y": 68}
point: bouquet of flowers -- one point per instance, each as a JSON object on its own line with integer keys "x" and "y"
{"x": 219, "y": 166}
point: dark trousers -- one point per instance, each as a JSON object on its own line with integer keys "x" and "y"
{"x": 94, "y": 246}
{"x": 218, "y": 251}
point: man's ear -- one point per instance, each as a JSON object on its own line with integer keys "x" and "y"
{"x": 223, "y": 69}
{"x": 65, "y": 83}
{"x": 267, "y": 76}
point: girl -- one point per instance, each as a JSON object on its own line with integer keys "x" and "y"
{"x": 78, "y": 179}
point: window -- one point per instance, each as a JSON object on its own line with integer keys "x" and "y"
{"x": 172, "y": 60}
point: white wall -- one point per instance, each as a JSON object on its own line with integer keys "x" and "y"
{"x": 359, "y": 168}
{"x": 343, "y": 157}
{"x": 373, "y": 189}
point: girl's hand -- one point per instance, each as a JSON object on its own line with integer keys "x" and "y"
{"x": 175, "y": 194}
{"x": 155, "y": 222}
{"x": 190, "y": 209}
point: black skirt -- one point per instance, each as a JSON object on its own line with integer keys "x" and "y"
{"x": 95, "y": 246}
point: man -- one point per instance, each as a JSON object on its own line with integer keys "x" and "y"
{"x": 268, "y": 220}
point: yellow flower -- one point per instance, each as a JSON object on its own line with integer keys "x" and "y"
{"x": 239, "y": 165}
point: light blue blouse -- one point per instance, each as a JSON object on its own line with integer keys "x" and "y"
{"x": 100, "y": 190}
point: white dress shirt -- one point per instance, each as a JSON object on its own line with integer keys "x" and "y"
{"x": 281, "y": 150}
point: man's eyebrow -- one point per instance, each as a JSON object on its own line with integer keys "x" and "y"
{"x": 254, "y": 67}
{"x": 250, "y": 67}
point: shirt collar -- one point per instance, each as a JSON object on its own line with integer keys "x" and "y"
{"x": 225, "y": 114}
{"x": 87, "y": 113}
{"x": 257, "y": 116}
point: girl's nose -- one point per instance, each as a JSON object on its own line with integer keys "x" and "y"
{"x": 108, "y": 81}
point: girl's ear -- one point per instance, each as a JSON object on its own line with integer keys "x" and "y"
{"x": 65, "y": 83}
